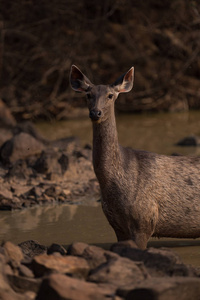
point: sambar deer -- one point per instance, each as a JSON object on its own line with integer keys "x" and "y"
{"x": 143, "y": 194}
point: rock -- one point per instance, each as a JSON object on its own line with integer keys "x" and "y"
{"x": 80, "y": 153}
{"x": 68, "y": 144}
{"x": 13, "y": 252}
{"x": 21, "y": 190}
{"x": 192, "y": 140}
{"x": 164, "y": 289}
{"x": 19, "y": 169}
{"x": 95, "y": 256}
{"x": 30, "y": 295}
{"x": 5, "y": 193}
{"x": 21, "y": 284}
{"x": 32, "y": 248}
{"x": 120, "y": 246}
{"x": 61, "y": 287}
{"x": 52, "y": 191}
{"x": 7, "y": 204}
{"x": 56, "y": 248}
{"x": 6, "y": 292}
{"x": 159, "y": 262}
{"x": 42, "y": 164}
{"x": 44, "y": 264}
{"x": 20, "y": 146}
{"x": 64, "y": 163}
{"x": 120, "y": 272}
{"x": 34, "y": 192}
{"x": 77, "y": 248}
{"x": 24, "y": 271}
{"x": 48, "y": 162}
{"x": 28, "y": 127}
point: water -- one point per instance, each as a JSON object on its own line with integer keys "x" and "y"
{"x": 151, "y": 132}
{"x": 65, "y": 224}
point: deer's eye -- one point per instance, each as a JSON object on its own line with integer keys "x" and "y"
{"x": 110, "y": 96}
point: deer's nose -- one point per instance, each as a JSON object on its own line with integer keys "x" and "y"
{"x": 95, "y": 115}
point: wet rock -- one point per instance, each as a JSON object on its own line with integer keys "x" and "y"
{"x": 8, "y": 204}
{"x": 120, "y": 246}
{"x": 77, "y": 249}
{"x": 56, "y": 248}
{"x": 159, "y": 262}
{"x": 163, "y": 289}
{"x": 60, "y": 287}
{"x": 32, "y": 248}
{"x": 120, "y": 272}
{"x": 44, "y": 264}
{"x": 20, "y": 146}
{"x": 192, "y": 140}
{"x": 95, "y": 256}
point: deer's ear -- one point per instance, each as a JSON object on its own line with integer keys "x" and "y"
{"x": 79, "y": 82}
{"x": 124, "y": 83}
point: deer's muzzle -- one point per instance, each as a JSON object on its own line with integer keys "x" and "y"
{"x": 95, "y": 115}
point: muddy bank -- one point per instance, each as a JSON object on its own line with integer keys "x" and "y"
{"x": 34, "y": 271}
{"x": 36, "y": 171}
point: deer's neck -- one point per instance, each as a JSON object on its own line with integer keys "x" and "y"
{"x": 106, "y": 149}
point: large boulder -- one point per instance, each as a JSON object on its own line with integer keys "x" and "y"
{"x": 20, "y": 146}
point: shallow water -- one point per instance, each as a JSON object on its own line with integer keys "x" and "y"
{"x": 152, "y": 132}
{"x": 65, "y": 224}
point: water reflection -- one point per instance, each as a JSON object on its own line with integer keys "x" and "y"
{"x": 62, "y": 224}
{"x": 65, "y": 224}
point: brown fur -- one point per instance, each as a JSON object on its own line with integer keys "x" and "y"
{"x": 143, "y": 194}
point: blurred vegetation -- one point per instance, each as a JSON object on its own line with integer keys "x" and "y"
{"x": 41, "y": 39}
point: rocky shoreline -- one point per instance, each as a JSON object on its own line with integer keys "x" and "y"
{"x": 37, "y": 171}
{"x": 34, "y": 271}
